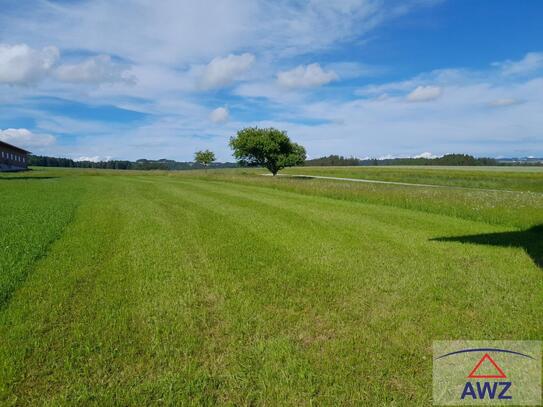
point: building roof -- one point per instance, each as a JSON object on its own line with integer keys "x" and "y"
{"x": 4, "y": 144}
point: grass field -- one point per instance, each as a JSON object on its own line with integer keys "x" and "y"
{"x": 501, "y": 178}
{"x": 226, "y": 287}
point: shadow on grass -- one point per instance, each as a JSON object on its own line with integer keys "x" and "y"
{"x": 303, "y": 177}
{"x": 531, "y": 240}
{"x": 24, "y": 178}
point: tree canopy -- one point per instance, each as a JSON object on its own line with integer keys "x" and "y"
{"x": 270, "y": 148}
{"x": 334, "y": 161}
{"x": 204, "y": 157}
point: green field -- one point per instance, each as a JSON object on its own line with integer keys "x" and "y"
{"x": 500, "y": 178}
{"x": 227, "y": 287}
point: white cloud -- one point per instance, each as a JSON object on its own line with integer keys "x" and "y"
{"x": 20, "y": 64}
{"x": 219, "y": 115}
{"x": 223, "y": 71}
{"x": 25, "y": 138}
{"x": 426, "y": 155}
{"x": 502, "y": 102}
{"x": 424, "y": 94}
{"x": 305, "y": 77}
{"x": 95, "y": 70}
{"x": 94, "y": 159}
{"x": 532, "y": 61}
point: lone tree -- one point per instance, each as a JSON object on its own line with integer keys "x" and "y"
{"x": 270, "y": 148}
{"x": 205, "y": 157}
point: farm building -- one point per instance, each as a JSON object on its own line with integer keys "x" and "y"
{"x": 12, "y": 158}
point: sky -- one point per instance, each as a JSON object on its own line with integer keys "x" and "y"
{"x": 129, "y": 79}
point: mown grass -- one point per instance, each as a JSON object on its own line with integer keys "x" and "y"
{"x": 224, "y": 288}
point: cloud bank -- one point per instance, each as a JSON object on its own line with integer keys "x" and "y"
{"x": 20, "y": 64}
{"x": 25, "y": 138}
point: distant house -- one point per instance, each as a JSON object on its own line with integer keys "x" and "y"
{"x": 13, "y": 158}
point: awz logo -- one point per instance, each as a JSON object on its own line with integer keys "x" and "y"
{"x": 465, "y": 375}
{"x": 486, "y": 389}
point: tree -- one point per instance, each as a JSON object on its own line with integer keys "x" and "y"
{"x": 204, "y": 157}
{"x": 270, "y": 148}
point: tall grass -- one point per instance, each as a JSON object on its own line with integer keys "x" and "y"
{"x": 33, "y": 213}
{"x": 516, "y": 209}
{"x": 502, "y": 178}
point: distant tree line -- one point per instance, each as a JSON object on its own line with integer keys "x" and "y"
{"x": 279, "y": 159}
{"x": 333, "y": 160}
{"x": 142, "y": 164}
{"x": 449, "y": 159}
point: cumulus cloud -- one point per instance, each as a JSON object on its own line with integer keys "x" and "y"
{"x": 424, "y": 94}
{"x": 95, "y": 70}
{"x": 219, "y": 115}
{"x": 426, "y": 155}
{"x": 531, "y": 62}
{"x": 502, "y": 102}
{"x": 305, "y": 77}
{"x": 20, "y": 64}
{"x": 25, "y": 138}
{"x": 222, "y": 71}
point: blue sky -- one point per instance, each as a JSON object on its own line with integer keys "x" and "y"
{"x": 136, "y": 79}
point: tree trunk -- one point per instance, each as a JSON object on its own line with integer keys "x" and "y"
{"x": 272, "y": 168}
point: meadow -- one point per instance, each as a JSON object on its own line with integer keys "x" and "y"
{"x": 500, "y": 178}
{"x": 227, "y": 287}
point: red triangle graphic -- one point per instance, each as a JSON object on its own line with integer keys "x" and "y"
{"x": 473, "y": 375}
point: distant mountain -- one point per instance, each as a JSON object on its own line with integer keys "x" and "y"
{"x": 520, "y": 160}
{"x": 424, "y": 159}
